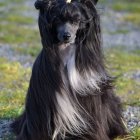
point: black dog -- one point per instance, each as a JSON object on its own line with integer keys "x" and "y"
{"x": 70, "y": 96}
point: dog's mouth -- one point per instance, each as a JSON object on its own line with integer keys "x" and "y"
{"x": 66, "y": 42}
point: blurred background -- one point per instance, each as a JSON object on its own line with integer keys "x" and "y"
{"x": 20, "y": 44}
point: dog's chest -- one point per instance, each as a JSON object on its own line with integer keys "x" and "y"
{"x": 81, "y": 83}
{"x": 66, "y": 53}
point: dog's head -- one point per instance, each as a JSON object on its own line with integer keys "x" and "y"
{"x": 65, "y": 22}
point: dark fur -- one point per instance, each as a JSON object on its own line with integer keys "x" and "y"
{"x": 103, "y": 107}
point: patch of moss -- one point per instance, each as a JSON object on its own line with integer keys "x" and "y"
{"x": 2, "y": 4}
{"x": 122, "y": 62}
{"x": 132, "y": 17}
{"x": 13, "y": 34}
{"x": 16, "y": 12}
{"x": 19, "y": 19}
{"x": 13, "y": 86}
{"x": 135, "y": 133}
{"x": 14, "y": 1}
{"x": 28, "y": 49}
{"x": 129, "y": 90}
{"x": 132, "y": 9}
{"x": 121, "y": 31}
{"x": 137, "y": 51}
{"x": 24, "y": 40}
{"x": 17, "y": 28}
{"x": 127, "y": 5}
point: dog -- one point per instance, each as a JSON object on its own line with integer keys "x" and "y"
{"x": 70, "y": 95}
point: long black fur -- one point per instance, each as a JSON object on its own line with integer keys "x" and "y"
{"x": 103, "y": 107}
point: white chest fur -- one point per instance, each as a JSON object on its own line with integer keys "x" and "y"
{"x": 81, "y": 83}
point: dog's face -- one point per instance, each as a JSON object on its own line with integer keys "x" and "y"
{"x": 66, "y": 32}
{"x": 66, "y": 22}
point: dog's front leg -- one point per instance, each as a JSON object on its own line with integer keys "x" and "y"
{"x": 36, "y": 123}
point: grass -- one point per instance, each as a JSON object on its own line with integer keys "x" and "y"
{"x": 120, "y": 31}
{"x": 5, "y": 2}
{"x": 28, "y": 49}
{"x": 122, "y": 62}
{"x": 2, "y": 3}
{"x": 19, "y": 30}
{"x": 14, "y": 1}
{"x": 132, "y": 17}
{"x": 19, "y": 19}
{"x": 13, "y": 35}
{"x": 134, "y": 135}
{"x": 16, "y": 30}
{"x": 132, "y": 9}
{"x": 129, "y": 6}
{"x": 13, "y": 86}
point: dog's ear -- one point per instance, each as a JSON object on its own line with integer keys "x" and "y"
{"x": 42, "y": 4}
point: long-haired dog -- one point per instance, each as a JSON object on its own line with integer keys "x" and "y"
{"x": 70, "y": 95}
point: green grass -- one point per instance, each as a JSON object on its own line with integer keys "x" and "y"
{"x": 2, "y": 3}
{"x": 13, "y": 86}
{"x": 13, "y": 2}
{"x": 18, "y": 19}
{"x": 132, "y": 17}
{"x": 134, "y": 135}
{"x": 30, "y": 49}
{"x": 17, "y": 29}
{"x": 132, "y": 9}
{"x": 14, "y": 34}
{"x": 129, "y": 6}
{"x": 15, "y": 14}
{"x": 121, "y": 31}
{"x": 122, "y": 62}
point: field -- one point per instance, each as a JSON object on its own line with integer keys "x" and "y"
{"x": 20, "y": 44}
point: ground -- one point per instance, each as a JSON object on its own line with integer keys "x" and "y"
{"x": 20, "y": 44}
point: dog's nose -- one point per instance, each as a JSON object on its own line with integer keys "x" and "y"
{"x": 66, "y": 36}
